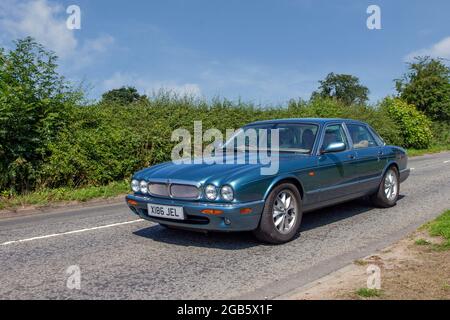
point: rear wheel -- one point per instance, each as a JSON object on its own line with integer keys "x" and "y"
{"x": 282, "y": 215}
{"x": 389, "y": 189}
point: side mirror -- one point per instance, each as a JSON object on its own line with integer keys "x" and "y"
{"x": 334, "y": 147}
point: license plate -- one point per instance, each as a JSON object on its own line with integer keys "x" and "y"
{"x": 169, "y": 212}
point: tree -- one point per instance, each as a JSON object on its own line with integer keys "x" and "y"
{"x": 415, "y": 127}
{"x": 35, "y": 104}
{"x": 427, "y": 86}
{"x": 343, "y": 87}
{"x": 122, "y": 96}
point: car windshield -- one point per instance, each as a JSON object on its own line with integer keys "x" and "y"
{"x": 291, "y": 138}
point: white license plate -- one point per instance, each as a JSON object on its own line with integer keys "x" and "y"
{"x": 168, "y": 212}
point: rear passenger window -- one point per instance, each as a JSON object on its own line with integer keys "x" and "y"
{"x": 361, "y": 136}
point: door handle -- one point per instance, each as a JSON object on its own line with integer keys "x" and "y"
{"x": 351, "y": 156}
{"x": 380, "y": 153}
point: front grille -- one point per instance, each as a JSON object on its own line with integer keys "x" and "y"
{"x": 184, "y": 191}
{"x": 178, "y": 191}
{"x": 158, "y": 189}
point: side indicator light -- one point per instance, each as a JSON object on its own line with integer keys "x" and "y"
{"x": 132, "y": 202}
{"x": 246, "y": 210}
{"x": 212, "y": 211}
{"x": 311, "y": 173}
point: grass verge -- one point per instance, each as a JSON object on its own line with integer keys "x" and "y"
{"x": 440, "y": 227}
{"x": 430, "y": 150}
{"x": 421, "y": 242}
{"x": 46, "y": 196}
{"x": 368, "y": 293}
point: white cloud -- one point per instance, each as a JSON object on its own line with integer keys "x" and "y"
{"x": 39, "y": 20}
{"x": 46, "y": 22}
{"x": 91, "y": 49}
{"x": 149, "y": 86}
{"x": 438, "y": 50}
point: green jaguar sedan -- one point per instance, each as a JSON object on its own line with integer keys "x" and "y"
{"x": 320, "y": 162}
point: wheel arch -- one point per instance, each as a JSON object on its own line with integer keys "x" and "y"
{"x": 391, "y": 164}
{"x": 285, "y": 179}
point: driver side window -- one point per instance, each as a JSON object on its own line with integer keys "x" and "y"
{"x": 334, "y": 133}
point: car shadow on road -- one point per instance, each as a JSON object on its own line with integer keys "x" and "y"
{"x": 321, "y": 217}
{"x": 245, "y": 240}
{"x": 188, "y": 238}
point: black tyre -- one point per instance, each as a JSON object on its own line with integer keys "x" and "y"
{"x": 389, "y": 189}
{"x": 282, "y": 215}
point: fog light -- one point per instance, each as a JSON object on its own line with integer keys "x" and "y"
{"x": 227, "y": 221}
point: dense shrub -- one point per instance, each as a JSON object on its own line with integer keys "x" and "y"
{"x": 108, "y": 143}
{"x": 441, "y": 133}
{"x": 415, "y": 127}
{"x": 35, "y": 104}
{"x": 378, "y": 118}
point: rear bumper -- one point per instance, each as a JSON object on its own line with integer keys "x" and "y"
{"x": 404, "y": 174}
{"x": 195, "y": 219}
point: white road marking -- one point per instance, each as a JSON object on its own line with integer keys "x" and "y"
{"x": 70, "y": 232}
{"x": 412, "y": 168}
{"x": 447, "y": 161}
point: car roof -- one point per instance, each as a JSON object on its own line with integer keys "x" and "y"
{"x": 305, "y": 120}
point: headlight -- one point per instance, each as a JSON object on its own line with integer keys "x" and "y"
{"x": 210, "y": 192}
{"x": 135, "y": 185}
{"x": 227, "y": 193}
{"x": 143, "y": 187}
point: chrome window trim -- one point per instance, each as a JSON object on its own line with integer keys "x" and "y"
{"x": 377, "y": 135}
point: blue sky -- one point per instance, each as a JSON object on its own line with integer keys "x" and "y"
{"x": 261, "y": 51}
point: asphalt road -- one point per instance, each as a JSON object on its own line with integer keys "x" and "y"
{"x": 121, "y": 257}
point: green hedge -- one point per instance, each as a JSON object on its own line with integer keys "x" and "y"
{"x": 107, "y": 143}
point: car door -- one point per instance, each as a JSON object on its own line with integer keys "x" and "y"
{"x": 370, "y": 160}
{"x": 335, "y": 170}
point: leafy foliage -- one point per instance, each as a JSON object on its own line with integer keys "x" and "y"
{"x": 343, "y": 87}
{"x": 35, "y": 104}
{"x": 415, "y": 127}
{"x": 441, "y": 133}
{"x": 108, "y": 144}
{"x": 122, "y": 96}
{"x": 427, "y": 86}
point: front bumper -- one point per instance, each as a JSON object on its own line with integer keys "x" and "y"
{"x": 195, "y": 219}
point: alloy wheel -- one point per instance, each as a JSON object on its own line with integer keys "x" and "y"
{"x": 285, "y": 211}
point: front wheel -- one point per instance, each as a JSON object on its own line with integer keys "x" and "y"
{"x": 282, "y": 215}
{"x": 389, "y": 189}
